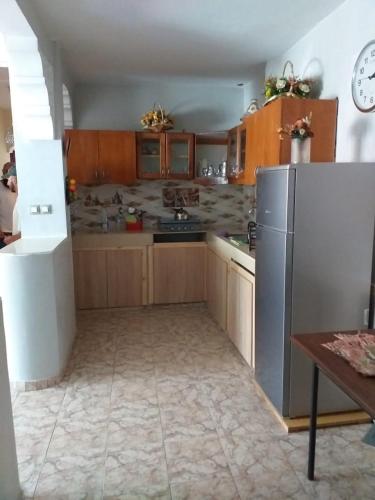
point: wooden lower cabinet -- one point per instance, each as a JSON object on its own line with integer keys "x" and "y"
{"x": 179, "y": 273}
{"x": 90, "y": 278}
{"x": 217, "y": 287}
{"x": 110, "y": 278}
{"x": 241, "y": 311}
{"x": 127, "y": 278}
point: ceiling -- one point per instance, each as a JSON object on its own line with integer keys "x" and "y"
{"x": 114, "y": 41}
{"x": 4, "y": 89}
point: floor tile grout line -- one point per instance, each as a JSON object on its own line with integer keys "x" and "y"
{"x": 223, "y": 447}
{"x": 109, "y": 415}
{"x": 49, "y": 443}
{"x": 162, "y": 430}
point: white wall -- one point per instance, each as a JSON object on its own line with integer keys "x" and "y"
{"x": 40, "y": 304}
{"x": 328, "y": 53}
{"x": 194, "y": 107}
{"x": 9, "y": 484}
{"x": 5, "y": 124}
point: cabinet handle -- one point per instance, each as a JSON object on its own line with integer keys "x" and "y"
{"x": 96, "y": 174}
{"x": 103, "y": 174}
{"x": 168, "y": 172}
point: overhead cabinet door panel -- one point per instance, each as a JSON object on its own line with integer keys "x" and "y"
{"x": 117, "y": 158}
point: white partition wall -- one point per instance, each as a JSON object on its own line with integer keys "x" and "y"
{"x": 9, "y": 483}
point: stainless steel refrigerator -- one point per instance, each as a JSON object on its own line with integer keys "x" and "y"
{"x": 314, "y": 255}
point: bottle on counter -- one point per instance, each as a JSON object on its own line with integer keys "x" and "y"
{"x": 133, "y": 220}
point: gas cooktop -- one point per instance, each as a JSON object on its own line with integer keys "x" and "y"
{"x": 171, "y": 224}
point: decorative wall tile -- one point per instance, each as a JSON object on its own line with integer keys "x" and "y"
{"x": 214, "y": 205}
{"x": 180, "y": 197}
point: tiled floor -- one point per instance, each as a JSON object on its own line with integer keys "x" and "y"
{"x": 158, "y": 404}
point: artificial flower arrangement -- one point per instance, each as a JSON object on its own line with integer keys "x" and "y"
{"x": 301, "y": 129}
{"x": 156, "y": 120}
{"x": 290, "y": 86}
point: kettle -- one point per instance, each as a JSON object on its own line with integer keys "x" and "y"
{"x": 181, "y": 214}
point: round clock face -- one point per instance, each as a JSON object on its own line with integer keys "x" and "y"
{"x": 363, "y": 80}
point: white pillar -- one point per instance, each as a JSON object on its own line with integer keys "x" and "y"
{"x": 9, "y": 483}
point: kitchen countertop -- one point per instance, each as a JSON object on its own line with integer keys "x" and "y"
{"x": 215, "y": 238}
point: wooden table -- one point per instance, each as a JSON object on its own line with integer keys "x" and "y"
{"x": 358, "y": 387}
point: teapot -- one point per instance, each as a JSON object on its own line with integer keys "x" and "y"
{"x": 181, "y": 214}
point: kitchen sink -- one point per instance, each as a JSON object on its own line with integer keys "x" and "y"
{"x": 238, "y": 239}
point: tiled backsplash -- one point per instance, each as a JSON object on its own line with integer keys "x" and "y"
{"x": 218, "y": 205}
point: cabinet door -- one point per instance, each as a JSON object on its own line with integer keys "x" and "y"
{"x": 117, "y": 158}
{"x": 150, "y": 155}
{"x": 217, "y": 284}
{"x": 179, "y": 272}
{"x": 127, "y": 277}
{"x": 179, "y": 156}
{"x": 241, "y": 311}
{"x": 232, "y": 161}
{"x": 90, "y": 278}
{"x": 82, "y": 158}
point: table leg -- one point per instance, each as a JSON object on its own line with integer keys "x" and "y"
{"x": 313, "y": 416}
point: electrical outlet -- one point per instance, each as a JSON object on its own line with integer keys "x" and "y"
{"x": 45, "y": 209}
{"x": 365, "y": 316}
{"x": 34, "y": 209}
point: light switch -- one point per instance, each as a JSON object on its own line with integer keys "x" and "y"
{"x": 45, "y": 209}
{"x": 34, "y": 209}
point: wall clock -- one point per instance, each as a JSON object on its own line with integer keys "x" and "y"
{"x": 363, "y": 79}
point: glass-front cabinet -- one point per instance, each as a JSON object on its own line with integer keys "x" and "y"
{"x": 236, "y": 150}
{"x": 179, "y": 155}
{"x": 150, "y": 155}
{"x": 165, "y": 155}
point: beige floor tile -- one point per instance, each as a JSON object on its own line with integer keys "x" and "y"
{"x": 75, "y": 476}
{"x": 142, "y": 470}
{"x": 133, "y": 424}
{"x": 29, "y": 468}
{"x": 195, "y": 459}
{"x": 209, "y": 489}
{"x": 163, "y": 394}
{"x": 69, "y": 439}
{"x": 272, "y": 485}
{"x": 186, "y": 421}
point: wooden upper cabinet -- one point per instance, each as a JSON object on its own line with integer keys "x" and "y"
{"x": 83, "y": 155}
{"x": 179, "y": 150}
{"x": 263, "y": 145}
{"x": 101, "y": 156}
{"x": 165, "y": 155}
{"x": 117, "y": 158}
{"x": 150, "y": 155}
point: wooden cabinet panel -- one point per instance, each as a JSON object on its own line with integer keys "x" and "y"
{"x": 150, "y": 155}
{"x": 101, "y": 156}
{"x": 166, "y": 155}
{"x": 127, "y": 277}
{"x": 179, "y": 150}
{"x": 323, "y": 124}
{"x": 179, "y": 272}
{"x": 241, "y": 302}
{"x": 83, "y": 155}
{"x": 117, "y": 158}
{"x": 217, "y": 284}
{"x": 263, "y": 145}
{"x": 90, "y": 278}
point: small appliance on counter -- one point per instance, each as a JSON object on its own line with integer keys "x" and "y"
{"x": 181, "y": 214}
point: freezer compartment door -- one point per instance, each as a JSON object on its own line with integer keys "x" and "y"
{"x": 272, "y": 315}
{"x": 275, "y": 198}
